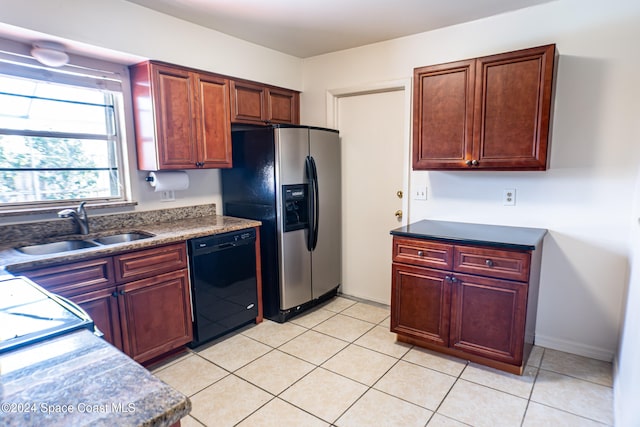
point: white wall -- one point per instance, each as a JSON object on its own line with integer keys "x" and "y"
{"x": 119, "y": 29}
{"x": 584, "y": 199}
{"x": 627, "y": 378}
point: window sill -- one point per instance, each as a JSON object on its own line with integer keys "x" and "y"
{"x": 34, "y": 210}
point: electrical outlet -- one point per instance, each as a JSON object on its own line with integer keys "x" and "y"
{"x": 420, "y": 193}
{"x": 168, "y": 196}
{"x": 509, "y": 197}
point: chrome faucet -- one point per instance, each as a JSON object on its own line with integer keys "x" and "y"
{"x": 79, "y": 216}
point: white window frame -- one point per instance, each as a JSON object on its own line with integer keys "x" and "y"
{"x": 15, "y": 60}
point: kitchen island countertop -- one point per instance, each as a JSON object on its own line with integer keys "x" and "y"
{"x": 80, "y": 380}
{"x": 499, "y": 236}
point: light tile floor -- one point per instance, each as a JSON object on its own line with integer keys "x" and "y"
{"x": 340, "y": 366}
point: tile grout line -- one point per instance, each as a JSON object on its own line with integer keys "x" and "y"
{"x": 526, "y": 409}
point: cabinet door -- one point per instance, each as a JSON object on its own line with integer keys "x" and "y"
{"x": 420, "y": 302}
{"x": 488, "y": 317}
{"x": 282, "y": 106}
{"x": 443, "y": 115}
{"x": 102, "y": 306}
{"x": 247, "y": 103}
{"x": 512, "y": 109}
{"x": 214, "y": 130}
{"x": 155, "y": 314}
{"x": 174, "y": 115}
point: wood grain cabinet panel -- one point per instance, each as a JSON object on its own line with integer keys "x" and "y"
{"x": 102, "y": 307}
{"x": 423, "y": 253}
{"x": 436, "y": 303}
{"x": 487, "y": 317}
{"x": 139, "y": 300}
{"x": 247, "y": 102}
{"x": 253, "y": 103}
{"x": 145, "y": 263}
{"x": 442, "y": 115}
{"x": 420, "y": 300}
{"x": 155, "y": 314}
{"x": 283, "y": 106}
{"x": 503, "y": 264}
{"x": 488, "y": 113}
{"x": 74, "y": 278}
{"x": 214, "y": 132}
{"x": 182, "y": 117}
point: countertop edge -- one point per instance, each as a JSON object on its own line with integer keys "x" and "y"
{"x": 428, "y": 229}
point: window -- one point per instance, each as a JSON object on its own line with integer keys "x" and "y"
{"x": 59, "y": 138}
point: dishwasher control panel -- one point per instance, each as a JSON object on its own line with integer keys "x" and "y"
{"x": 222, "y": 240}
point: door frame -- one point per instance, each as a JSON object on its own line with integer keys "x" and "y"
{"x": 333, "y": 97}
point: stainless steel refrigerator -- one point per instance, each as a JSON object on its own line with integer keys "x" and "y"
{"x": 288, "y": 177}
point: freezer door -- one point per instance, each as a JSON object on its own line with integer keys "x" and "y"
{"x": 326, "y": 257}
{"x": 292, "y": 148}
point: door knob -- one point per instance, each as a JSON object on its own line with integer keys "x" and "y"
{"x": 398, "y": 214}
{"x": 399, "y": 193}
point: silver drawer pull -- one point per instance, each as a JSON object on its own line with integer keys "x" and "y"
{"x": 489, "y": 263}
{"x": 420, "y": 253}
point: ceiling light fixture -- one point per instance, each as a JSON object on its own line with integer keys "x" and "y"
{"x": 51, "y": 54}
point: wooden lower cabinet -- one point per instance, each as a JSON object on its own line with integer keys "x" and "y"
{"x": 139, "y": 300}
{"x": 420, "y": 303}
{"x": 102, "y": 306}
{"x": 476, "y": 317}
{"x": 155, "y": 314}
{"x": 487, "y": 317}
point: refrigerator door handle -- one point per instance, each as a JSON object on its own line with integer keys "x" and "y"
{"x": 311, "y": 201}
{"x": 314, "y": 206}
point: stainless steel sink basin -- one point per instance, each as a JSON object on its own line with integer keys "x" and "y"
{"x": 56, "y": 247}
{"x": 122, "y": 238}
{"x": 72, "y": 245}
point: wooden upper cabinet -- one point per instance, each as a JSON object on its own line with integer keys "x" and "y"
{"x": 254, "y": 103}
{"x": 214, "y": 133}
{"x": 283, "y": 106}
{"x": 182, "y": 118}
{"x": 247, "y": 102}
{"x": 443, "y": 115}
{"x": 486, "y": 113}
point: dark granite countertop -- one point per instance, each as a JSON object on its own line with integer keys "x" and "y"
{"x": 499, "y": 236}
{"x": 80, "y": 380}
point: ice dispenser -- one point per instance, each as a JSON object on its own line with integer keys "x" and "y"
{"x": 295, "y": 207}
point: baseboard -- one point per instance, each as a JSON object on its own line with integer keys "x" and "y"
{"x": 574, "y": 348}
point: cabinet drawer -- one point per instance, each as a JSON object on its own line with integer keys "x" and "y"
{"x": 150, "y": 262}
{"x": 492, "y": 262}
{"x": 423, "y": 253}
{"x": 74, "y": 278}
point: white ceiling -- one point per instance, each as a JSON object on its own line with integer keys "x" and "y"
{"x": 305, "y": 28}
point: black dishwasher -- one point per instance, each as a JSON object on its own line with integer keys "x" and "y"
{"x": 223, "y": 283}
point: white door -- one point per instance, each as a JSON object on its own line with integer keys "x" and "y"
{"x": 374, "y": 168}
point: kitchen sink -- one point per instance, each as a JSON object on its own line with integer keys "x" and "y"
{"x": 56, "y": 247}
{"x": 122, "y": 238}
{"x": 72, "y": 245}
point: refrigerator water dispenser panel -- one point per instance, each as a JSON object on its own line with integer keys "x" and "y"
{"x": 295, "y": 207}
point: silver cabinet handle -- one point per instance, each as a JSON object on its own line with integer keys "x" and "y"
{"x": 489, "y": 263}
{"x": 420, "y": 253}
